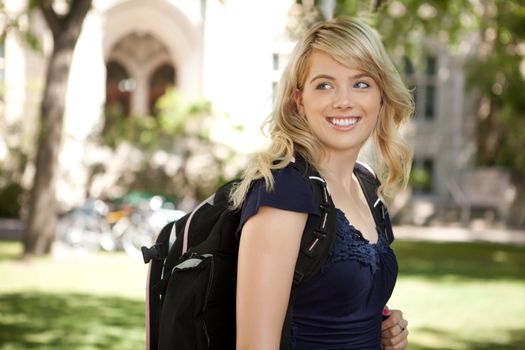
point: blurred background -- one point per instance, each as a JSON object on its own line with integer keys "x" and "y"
{"x": 117, "y": 116}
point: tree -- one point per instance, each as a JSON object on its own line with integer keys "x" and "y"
{"x": 65, "y": 28}
{"x": 495, "y": 69}
{"x": 497, "y": 74}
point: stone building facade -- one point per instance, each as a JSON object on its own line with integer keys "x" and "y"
{"x": 230, "y": 53}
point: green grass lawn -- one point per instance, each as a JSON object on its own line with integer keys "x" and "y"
{"x": 455, "y": 296}
{"x": 462, "y": 295}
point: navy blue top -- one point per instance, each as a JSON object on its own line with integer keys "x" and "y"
{"x": 341, "y": 307}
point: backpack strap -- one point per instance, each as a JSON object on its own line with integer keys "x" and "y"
{"x": 315, "y": 244}
{"x": 185, "y": 238}
{"x": 157, "y": 254}
{"x": 370, "y": 184}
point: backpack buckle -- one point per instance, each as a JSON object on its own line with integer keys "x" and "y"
{"x": 154, "y": 252}
{"x": 319, "y": 235}
{"x": 324, "y": 206}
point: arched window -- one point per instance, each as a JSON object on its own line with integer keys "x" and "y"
{"x": 119, "y": 86}
{"x": 162, "y": 78}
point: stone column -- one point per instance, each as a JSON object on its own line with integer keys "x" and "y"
{"x": 139, "y": 97}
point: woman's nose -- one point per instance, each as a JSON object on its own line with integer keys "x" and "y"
{"x": 343, "y": 99}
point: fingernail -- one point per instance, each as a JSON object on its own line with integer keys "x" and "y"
{"x": 386, "y": 311}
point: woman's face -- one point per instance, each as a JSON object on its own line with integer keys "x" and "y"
{"x": 340, "y": 103}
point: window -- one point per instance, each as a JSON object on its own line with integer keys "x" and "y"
{"x": 408, "y": 67}
{"x": 430, "y": 98}
{"x": 431, "y": 65}
{"x": 422, "y": 176}
{"x": 430, "y": 88}
{"x": 422, "y": 83}
{"x": 275, "y": 61}
{"x": 279, "y": 60}
{"x": 274, "y": 91}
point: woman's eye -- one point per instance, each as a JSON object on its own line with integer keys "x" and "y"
{"x": 324, "y": 86}
{"x": 361, "y": 85}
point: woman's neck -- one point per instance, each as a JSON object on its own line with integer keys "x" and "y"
{"x": 337, "y": 168}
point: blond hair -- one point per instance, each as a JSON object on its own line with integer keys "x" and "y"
{"x": 349, "y": 41}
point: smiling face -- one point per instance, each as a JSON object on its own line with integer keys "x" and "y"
{"x": 340, "y": 103}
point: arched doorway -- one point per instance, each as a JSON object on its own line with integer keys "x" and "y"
{"x": 149, "y": 70}
{"x": 162, "y": 78}
{"x": 177, "y": 28}
{"x": 119, "y": 86}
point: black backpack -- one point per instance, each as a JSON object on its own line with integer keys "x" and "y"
{"x": 191, "y": 288}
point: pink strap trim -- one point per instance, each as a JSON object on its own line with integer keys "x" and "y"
{"x": 187, "y": 226}
{"x": 148, "y": 323}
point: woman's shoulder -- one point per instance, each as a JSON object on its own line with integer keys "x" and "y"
{"x": 291, "y": 191}
{"x": 286, "y": 181}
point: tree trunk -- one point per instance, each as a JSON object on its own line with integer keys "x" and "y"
{"x": 42, "y": 219}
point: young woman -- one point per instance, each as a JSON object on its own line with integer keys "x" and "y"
{"x": 339, "y": 89}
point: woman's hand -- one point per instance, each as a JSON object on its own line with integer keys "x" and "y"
{"x": 394, "y": 331}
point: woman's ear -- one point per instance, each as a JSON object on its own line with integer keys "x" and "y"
{"x": 298, "y": 99}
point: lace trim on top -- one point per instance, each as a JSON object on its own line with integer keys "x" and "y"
{"x": 350, "y": 244}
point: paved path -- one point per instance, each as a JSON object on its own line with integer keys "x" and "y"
{"x": 11, "y": 229}
{"x": 460, "y": 234}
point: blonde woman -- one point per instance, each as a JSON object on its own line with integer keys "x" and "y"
{"x": 339, "y": 90}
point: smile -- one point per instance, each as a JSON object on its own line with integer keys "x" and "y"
{"x": 343, "y": 122}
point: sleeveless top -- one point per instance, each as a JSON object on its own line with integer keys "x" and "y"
{"x": 341, "y": 307}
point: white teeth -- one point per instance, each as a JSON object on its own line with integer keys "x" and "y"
{"x": 343, "y": 121}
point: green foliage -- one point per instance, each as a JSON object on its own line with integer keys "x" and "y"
{"x": 12, "y": 193}
{"x": 420, "y": 180}
{"x": 180, "y": 117}
{"x": 355, "y": 8}
{"x": 194, "y": 163}
{"x": 177, "y": 118}
{"x": 495, "y": 69}
{"x": 10, "y": 22}
{"x": 497, "y": 73}
{"x": 139, "y": 131}
{"x": 11, "y": 200}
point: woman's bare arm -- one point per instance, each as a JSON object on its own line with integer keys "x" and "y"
{"x": 268, "y": 251}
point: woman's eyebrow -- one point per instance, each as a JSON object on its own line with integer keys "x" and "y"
{"x": 322, "y": 76}
{"x": 329, "y": 77}
{"x": 361, "y": 75}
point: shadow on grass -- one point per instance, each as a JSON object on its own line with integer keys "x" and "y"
{"x": 462, "y": 260}
{"x": 70, "y": 321}
{"x": 516, "y": 341}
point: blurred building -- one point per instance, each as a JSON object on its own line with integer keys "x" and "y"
{"x": 130, "y": 51}
{"x": 230, "y": 53}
